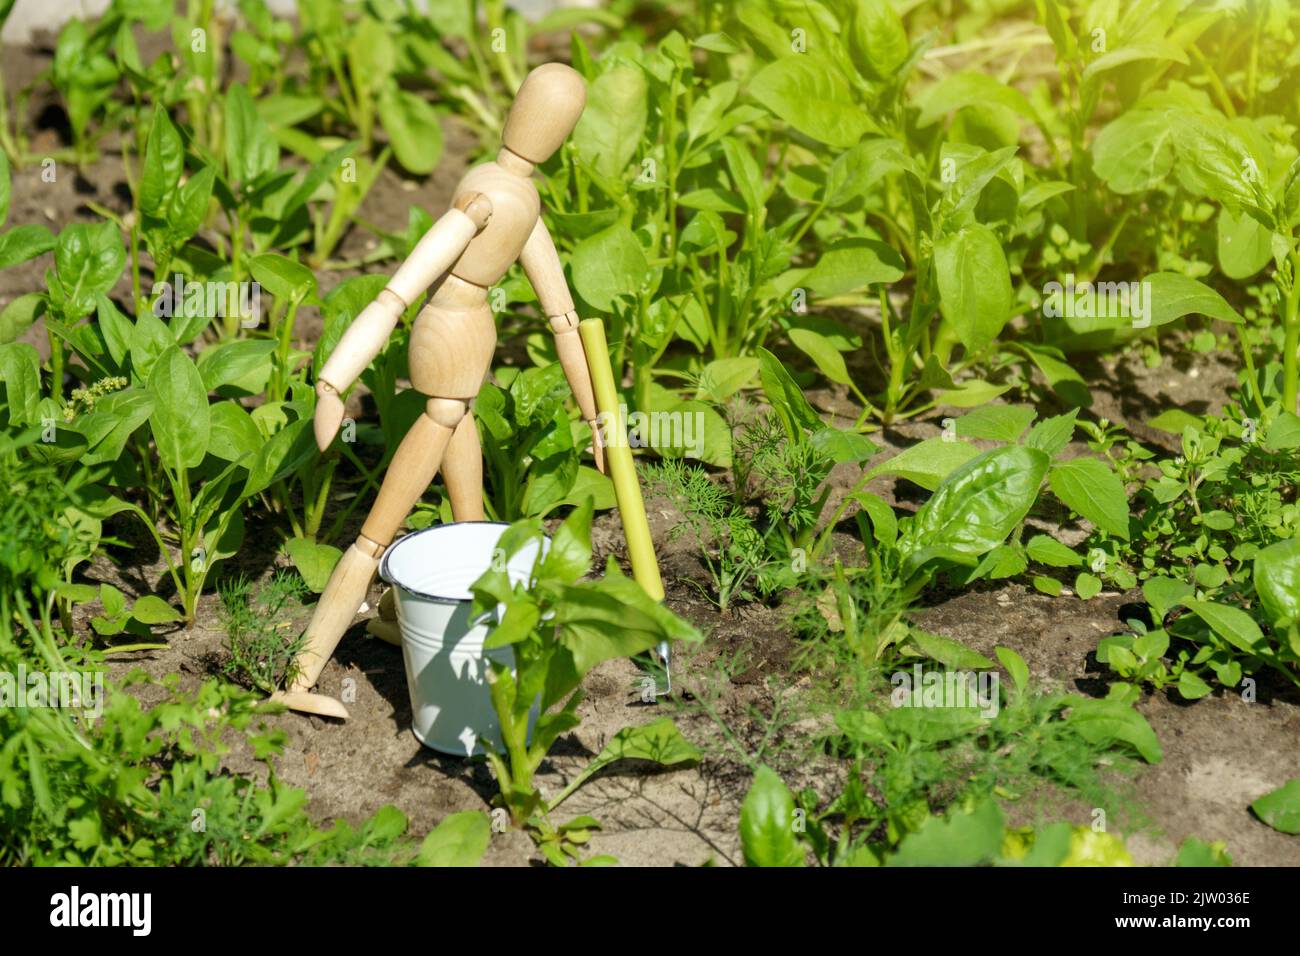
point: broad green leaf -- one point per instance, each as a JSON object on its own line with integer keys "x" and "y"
{"x": 189, "y": 207}
{"x": 722, "y": 378}
{"x": 19, "y": 315}
{"x": 746, "y": 174}
{"x": 1087, "y": 585}
{"x": 1063, "y": 378}
{"x": 1277, "y": 580}
{"x": 22, "y": 243}
{"x": 974, "y": 284}
{"x": 1015, "y": 666}
{"x": 1192, "y": 687}
{"x": 809, "y": 95}
{"x": 152, "y": 609}
{"x": 864, "y": 727}
{"x": 707, "y": 110}
{"x": 412, "y": 127}
{"x": 1232, "y": 624}
{"x": 180, "y": 418}
{"x": 315, "y": 561}
{"x": 1164, "y": 594}
{"x": 234, "y": 434}
{"x": 164, "y": 159}
{"x": 826, "y": 357}
{"x": 1089, "y": 487}
{"x": 111, "y": 423}
{"x": 785, "y": 396}
{"x": 591, "y": 485}
{"x": 1052, "y": 435}
{"x": 1216, "y": 163}
{"x": 1245, "y": 246}
{"x": 1284, "y": 432}
{"x": 251, "y": 149}
{"x": 767, "y": 823}
{"x": 1173, "y": 295}
{"x": 150, "y": 338}
{"x": 88, "y": 260}
{"x": 960, "y": 839}
{"x": 609, "y": 133}
{"x": 608, "y": 265}
{"x": 1135, "y": 52}
{"x": 1135, "y": 151}
{"x": 1005, "y": 423}
{"x": 928, "y": 462}
{"x": 857, "y": 170}
{"x": 658, "y": 741}
{"x": 20, "y": 381}
{"x": 1047, "y": 550}
{"x": 1280, "y": 808}
{"x": 959, "y": 90}
{"x": 970, "y": 394}
{"x": 884, "y": 523}
{"x": 877, "y": 39}
{"x": 1196, "y": 852}
{"x": 597, "y": 625}
{"x": 1112, "y": 720}
{"x": 851, "y": 264}
{"x": 974, "y": 169}
{"x": 459, "y": 840}
{"x": 1174, "y": 420}
{"x": 840, "y": 446}
{"x": 569, "y": 556}
{"x": 953, "y": 655}
{"x": 288, "y": 449}
{"x": 284, "y": 278}
{"x": 229, "y": 362}
{"x": 977, "y": 505}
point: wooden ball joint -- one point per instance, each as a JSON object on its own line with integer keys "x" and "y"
{"x": 493, "y": 222}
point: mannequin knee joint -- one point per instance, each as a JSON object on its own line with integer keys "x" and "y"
{"x": 564, "y": 324}
{"x": 447, "y": 412}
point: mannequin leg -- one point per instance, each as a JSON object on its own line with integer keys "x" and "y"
{"x": 462, "y": 471}
{"x": 412, "y": 468}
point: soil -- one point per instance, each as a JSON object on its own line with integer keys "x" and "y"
{"x": 1220, "y": 753}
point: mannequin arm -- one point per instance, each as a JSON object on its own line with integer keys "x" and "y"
{"x": 433, "y": 255}
{"x": 542, "y": 266}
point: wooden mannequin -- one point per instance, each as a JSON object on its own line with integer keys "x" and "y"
{"x": 493, "y": 222}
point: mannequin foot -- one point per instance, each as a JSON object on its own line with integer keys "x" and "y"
{"x": 308, "y": 703}
{"x": 386, "y": 631}
{"x": 385, "y": 626}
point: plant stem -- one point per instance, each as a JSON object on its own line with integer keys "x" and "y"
{"x": 1291, "y": 337}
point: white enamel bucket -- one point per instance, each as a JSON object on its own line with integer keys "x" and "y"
{"x": 442, "y": 644}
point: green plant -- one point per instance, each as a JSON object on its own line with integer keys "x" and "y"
{"x": 1214, "y": 547}
{"x": 974, "y": 834}
{"x": 532, "y": 449}
{"x": 767, "y": 529}
{"x": 911, "y": 763}
{"x": 559, "y": 627}
{"x": 261, "y": 634}
{"x": 100, "y": 779}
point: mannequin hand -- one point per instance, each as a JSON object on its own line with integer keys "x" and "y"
{"x": 329, "y": 414}
{"x": 597, "y": 449}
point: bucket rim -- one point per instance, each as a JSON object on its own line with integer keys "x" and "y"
{"x": 436, "y": 598}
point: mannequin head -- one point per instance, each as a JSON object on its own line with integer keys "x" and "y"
{"x": 545, "y": 111}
